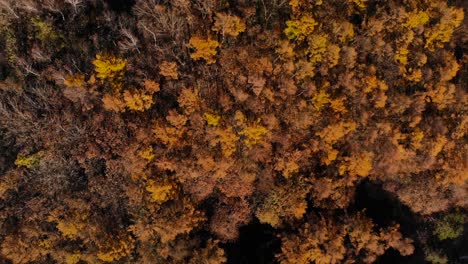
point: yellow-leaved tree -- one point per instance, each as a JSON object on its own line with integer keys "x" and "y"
{"x": 205, "y": 48}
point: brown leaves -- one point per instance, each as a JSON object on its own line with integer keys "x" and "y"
{"x": 189, "y": 100}
{"x": 169, "y": 70}
{"x": 284, "y": 203}
{"x": 228, "y": 217}
{"x": 228, "y": 25}
{"x": 257, "y": 83}
{"x": 322, "y": 240}
{"x": 281, "y": 117}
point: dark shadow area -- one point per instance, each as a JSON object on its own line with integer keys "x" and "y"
{"x": 257, "y": 244}
{"x": 383, "y": 207}
{"x": 386, "y": 210}
{"x": 392, "y": 256}
{"x": 356, "y": 19}
{"x": 121, "y": 5}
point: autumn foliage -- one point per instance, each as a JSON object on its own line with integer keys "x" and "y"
{"x": 155, "y": 131}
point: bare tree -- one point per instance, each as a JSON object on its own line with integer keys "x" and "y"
{"x": 53, "y": 6}
{"x": 130, "y": 41}
{"x": 159, "y": 20}
{"x": 27, "y": 67}
{"x": 76, "y": 4}
{"x": 29, "y": 6}
{"x": 7, "y": 5}
{"x": 206, "y": 7}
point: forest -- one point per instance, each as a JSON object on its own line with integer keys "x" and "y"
{"x": 233, "y": 131}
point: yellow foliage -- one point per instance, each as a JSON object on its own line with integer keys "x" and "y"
{"x": 204, "y": 49}
{"x": 360, "y": 3}
{"x": 116, "y": 252}
{"x": 169, "y": 70}
{"x": 253, "y": 134}
{"x": 416, "y": 19}
{"x": 72, "y": 258}
{"x": 443, "y": 31}
{"x": 75, "y": 80}
{"x": 168, "y": 135}
{"x": 294, "y": 3}
{"x": 138, "y": 100}
{"x": 338, "y": 105}
{"x": 300, "y": 29}
{"x": 359, "y": 165}
{"x": 226, "y": 138}
{"x": 417, "y": 137}
{"x": 383, "y": 86}
{"x": 318, "y": 44}
{"x": 161, "y": 192}
{"x": 228, "y": 25}
{"x": 147, "y": 154}
{"x": 288, "y": 168}
{"x": 212, "y": 119}
{"x": 108, "y": 67}
{"x": 442, "y": 95}
{"x": 372, "y": 83}
{"x": 46, "y": 243}
{"x": 320, "y": 99}
{"x": 69, "y": 229}
{"x": 401, "y": 55}
{"x": 438, "y": 145}
{"x": 333, "y": 133}
{"x": 331, "y": 154}
{"x": 414, "y": 75}
{"x": 28, "y": 161}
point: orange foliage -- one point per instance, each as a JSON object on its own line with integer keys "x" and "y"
{"x": 169, "y": 70}
{"x": 323, "y": 241}
{"x": 204, "y": 49}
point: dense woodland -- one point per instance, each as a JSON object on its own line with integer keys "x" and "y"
{"x": 224, "y": 131}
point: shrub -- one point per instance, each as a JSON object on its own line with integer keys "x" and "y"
{"x": 450, "y": 226}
